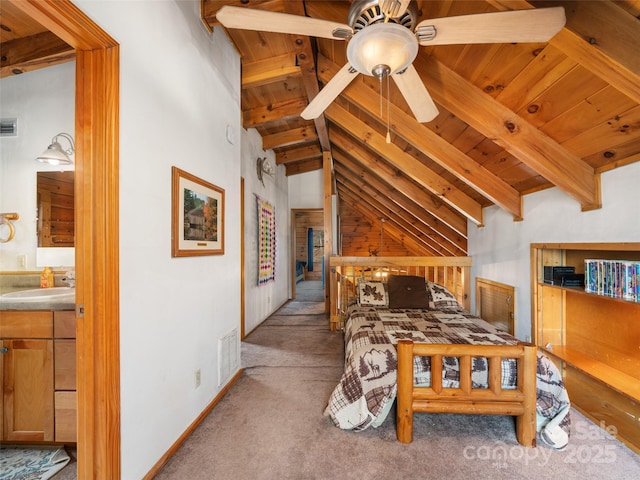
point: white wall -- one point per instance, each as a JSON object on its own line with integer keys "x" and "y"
{"x": 43, "y": 101}
{"x": 306, "y": 190}
{"x": 179, "y": 90}
{"x": 267, "y": 298}
{"x": 179, "y": 94}
{"x": 501, "y": 249}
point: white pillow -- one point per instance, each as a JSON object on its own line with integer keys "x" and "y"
{"x": 441, "y": 298}
{"x": 372, "y": 294}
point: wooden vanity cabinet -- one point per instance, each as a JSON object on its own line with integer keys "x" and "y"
{"x": 27, "y": 375}
{"x": 65, "y": 395}
{"x": 37, "y": 369}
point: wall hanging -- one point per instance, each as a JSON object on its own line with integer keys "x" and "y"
{"x": 266, "y": 242}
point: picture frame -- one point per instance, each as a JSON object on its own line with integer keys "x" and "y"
{"x": 197, "y": 216}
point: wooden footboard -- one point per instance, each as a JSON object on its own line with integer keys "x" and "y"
{"x": 519, "y": 402}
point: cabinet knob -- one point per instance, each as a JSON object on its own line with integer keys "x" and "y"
{"x": 4, "y": 350}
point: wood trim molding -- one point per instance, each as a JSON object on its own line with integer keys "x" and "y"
{"x": 327, "y": 182}
{"x": 187, "y": 433}
{"x": 97, "y": 232}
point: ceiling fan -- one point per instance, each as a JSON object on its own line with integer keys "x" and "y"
{"x": 384, "y": 39}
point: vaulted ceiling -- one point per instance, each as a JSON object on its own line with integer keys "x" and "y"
{"x": 514, "y": 118}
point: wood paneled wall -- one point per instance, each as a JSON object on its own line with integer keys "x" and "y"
{"x": 304, "y": 220}
{"x": 55, "y": 209}
{"x": 362, "y": 237}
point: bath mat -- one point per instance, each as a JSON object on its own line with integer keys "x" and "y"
{"x": 40, "y": 463}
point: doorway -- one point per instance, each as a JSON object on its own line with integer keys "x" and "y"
{"x": 96, "y": 232}
{"x": 307, "y": 252}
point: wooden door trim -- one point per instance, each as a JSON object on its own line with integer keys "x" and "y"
{"x": 97, "y": 233}
{"x": 293, "y": 245}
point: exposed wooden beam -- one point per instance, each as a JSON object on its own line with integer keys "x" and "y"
{"x": 393, "y": 176}
{"x": 394, "y": 209}
{"x": 497, "y": 122}
{"x": 34, "y": 52}
{"x": 288, "y": 138}
{"x": 209, "y": 8}
{"x": 273, "y": 112}
{"x": 431, "y": 144}
{"x": 369, "y": 212}
{"x": 394, "y": 199}
{"x": 298, "y": 154}
{"x": 406, "y": 163}
{"x": 303, "y": 167}
{"x": 306, "y": 59}
{"x": 593, "y": 36}
{"x": 603, "y": 38}
{"x": 391, "y": 217}
{"x": 269, "y": 70}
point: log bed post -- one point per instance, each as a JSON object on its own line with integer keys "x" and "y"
{"x": 404, "y": 428}
{"x": 526, "y": 423}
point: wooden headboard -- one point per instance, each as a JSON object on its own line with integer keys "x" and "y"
{"x": 344, "y": 273}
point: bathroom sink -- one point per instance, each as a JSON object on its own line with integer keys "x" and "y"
{"x": 40, "y": 295}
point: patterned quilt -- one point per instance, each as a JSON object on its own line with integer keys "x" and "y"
{"x": 366, "y": 392}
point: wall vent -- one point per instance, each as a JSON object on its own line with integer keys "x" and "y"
{"x": 8, "y": 127}
{"x": 228, "y": 357}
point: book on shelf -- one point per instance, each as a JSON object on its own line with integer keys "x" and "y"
{"x": 613, "y": 278}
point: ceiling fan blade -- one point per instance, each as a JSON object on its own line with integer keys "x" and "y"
{"x": 329, "y": 93}
{"x": 265, "y": 21}
{"x": 514, "y": 26}
{"x": 416, "y": 95}
{"x": 393, "y": 8}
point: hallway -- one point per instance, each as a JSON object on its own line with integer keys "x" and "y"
{"x": 309, "y": 291}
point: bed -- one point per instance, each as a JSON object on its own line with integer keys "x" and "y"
{"x": 409, "y": 334}
{"x": 300, "y": 270}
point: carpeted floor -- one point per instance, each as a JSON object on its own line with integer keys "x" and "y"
{"x": 270, "y": 426}
{"x": 309, "y": 291}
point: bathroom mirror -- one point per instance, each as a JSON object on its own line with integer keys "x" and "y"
{"x": 55, "y": 207}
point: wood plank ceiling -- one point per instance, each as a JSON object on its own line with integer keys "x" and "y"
{"x": 514, "y": 118}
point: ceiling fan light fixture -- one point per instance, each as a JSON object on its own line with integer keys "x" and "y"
{"x": 382, "y": 44}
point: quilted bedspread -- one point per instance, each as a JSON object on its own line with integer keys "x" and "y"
{"x": 368, "y": 385}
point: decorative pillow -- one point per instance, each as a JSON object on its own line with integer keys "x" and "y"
{"x": 407, "y": 291}
{"x": 441, "y": 298}
{"x": 372, "y": 294}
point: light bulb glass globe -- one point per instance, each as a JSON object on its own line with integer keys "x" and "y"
{"x": 387, "y": 44}
{"x": 54, "y": 155}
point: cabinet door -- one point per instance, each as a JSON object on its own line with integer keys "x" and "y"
{"x": 28, "y": 390}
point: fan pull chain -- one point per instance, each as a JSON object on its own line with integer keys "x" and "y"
{"x": 380, "y": 90}
{"x": 388, "y": 111}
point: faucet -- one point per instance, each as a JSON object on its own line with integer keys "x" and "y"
{"x": 69, "y": 279}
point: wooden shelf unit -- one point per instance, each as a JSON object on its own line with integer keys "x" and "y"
{"x": 594, "y": 339}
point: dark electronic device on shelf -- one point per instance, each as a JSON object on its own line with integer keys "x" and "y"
{"x": 563, "y": 276}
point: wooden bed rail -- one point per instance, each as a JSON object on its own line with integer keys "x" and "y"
{"x": 344, "y": 273}
{"x": 493, "y": 400}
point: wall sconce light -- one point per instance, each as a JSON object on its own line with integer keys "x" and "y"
{"x": 263, "y": 167}
{"x": 54, "y": 154}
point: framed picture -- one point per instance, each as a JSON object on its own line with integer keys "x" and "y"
{"x": 197, "y": 216}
